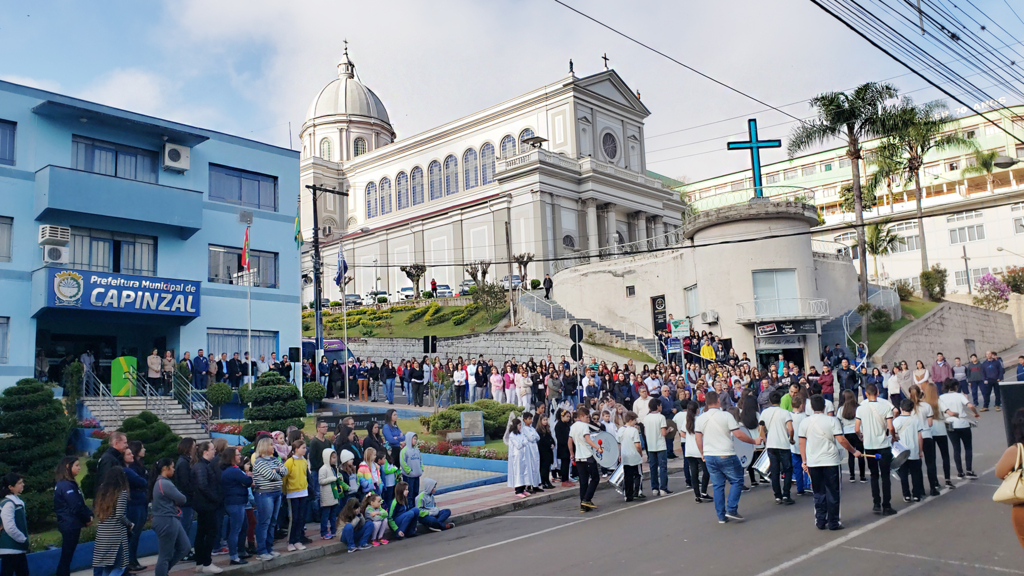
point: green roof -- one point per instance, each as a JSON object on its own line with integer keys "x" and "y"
{"x": 668, "y": 182}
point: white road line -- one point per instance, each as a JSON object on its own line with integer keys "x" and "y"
{"x": 858, "y": 532}
{"x": 513, "y": 517}
{"x": 530, "y": 535}
{"x": 916, "y": 557}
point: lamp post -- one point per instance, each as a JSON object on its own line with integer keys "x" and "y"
{"x": 1005, "y": 162}
{"x": 1001, "y": 249}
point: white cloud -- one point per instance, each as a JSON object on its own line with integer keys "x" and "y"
{"x": 40, "y": 83}
{"x": 130, "y": 89}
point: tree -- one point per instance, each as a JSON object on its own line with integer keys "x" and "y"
{"x": 914, "y": 131}
{"x": 414, "y": 272}
{"x": 34, "y": 439}
{"x": 485, "y": 266}
{"x": 889, "y": 170}
{"x": 847, "y": 202}
{"x": 218, "y": 394}
{"x": 984, "y": 164}
{"x": 879, "y": 240}
{"x": 522, "y": 261}
{"x": 993, "y": 293}
{"x": 1014, "y": 278}
{"x": 276, "y": 405}
{"x": 854, "y": 117}
{"x": 492, "y": 297}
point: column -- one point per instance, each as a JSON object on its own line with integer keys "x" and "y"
{"x": 555, "y": 213}
{"x": 659, "y": 230}
{"x": 610, "y": 226}
{"x": 641, "y": 229}
{"x": 592, "y": 237}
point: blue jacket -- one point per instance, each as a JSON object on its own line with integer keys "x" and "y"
{"x": 666, "y": 406}
{"x": 200, "y": 365}
{"x": 69, "y": 505}
{"x": 137, "y": 485}
{"x": 393, "y": 435}
{"x": 235, "y": 484}
{"x": 624, "y": 391}
{"x": 1020, "y": 372}
{"x": 992, "y": 369}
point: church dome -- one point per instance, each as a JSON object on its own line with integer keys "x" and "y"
{"x": 348, "y": 96}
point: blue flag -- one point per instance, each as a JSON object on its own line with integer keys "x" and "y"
{"x": 339, "y": 278}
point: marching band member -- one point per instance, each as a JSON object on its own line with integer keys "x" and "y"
{"x": 820, "y": 438}
{"x": 715, "y": 430}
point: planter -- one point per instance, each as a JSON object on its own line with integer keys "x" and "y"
{"x": 233, "y": 439}
{"x": 82, "y": 440}
{"x": 45, "y": 563}
{"x": 482, "y": 464}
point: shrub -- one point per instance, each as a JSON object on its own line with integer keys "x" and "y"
{"x": 443, "y": 317}
{"x": 156, "y": 436}
{"x": 218, "y": 394}
{"x": 427, "y": 294}
{"x": 903, "y": 289}
{"x": 308, "y": 313}
{"x": 934, "y": 282}
{"x": 472, "y": 290}
{"x": 1014, "y": 278}
{"x": 401, "y": 308}
{"x": 993, "y": 293}
{"x": 421, "y": 312}
{"x": 382, "y": 299}
{"x": 432, "y": 311}
{"x": 360, "y": 312}
{"x": 864, "y": 308}
{"x": 495, "y": 417}
{"x": 72, "y": 377}
{"x": 313, "y": 392}
{"x": 534, "y": 284}
{"x": 880, "y": 320}
{"x": 465, "y": 313}
{"x": 307, "y": 325}
{"x": 334, "y": 303}
{"x": 276, "y": 404}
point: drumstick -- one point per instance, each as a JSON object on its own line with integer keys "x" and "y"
{"x": 875, "y": 456}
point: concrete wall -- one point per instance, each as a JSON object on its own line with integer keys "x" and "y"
{"x": 1015, "y": 309}
{"x": 836, "y": 280}
{"x": 951, "y": 328}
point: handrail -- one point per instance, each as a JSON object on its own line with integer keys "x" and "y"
{"x": 637, "y": 247}
{"x": 153, "y": 401}
{"x": 776, "y": 308}
{"x": 196, "y": 404}
{"x": 93, "y": 388}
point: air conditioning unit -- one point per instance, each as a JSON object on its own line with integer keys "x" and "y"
{"x": 709, "y": 317}
{"x": 325, "y": 231}
{"x": 176, "y": 157}
{"x": 56, "y": 254}
{"x": 54, "y": 235}
{"x": 997, "y": 270}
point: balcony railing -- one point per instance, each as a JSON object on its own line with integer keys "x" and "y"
{"x": 768, "y": 309}
{"x": 581, "y": 166}
{"x": 776, "y": 193}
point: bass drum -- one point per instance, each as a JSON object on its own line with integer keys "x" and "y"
{"x": 744, "y": 451}
{"x": 610, "y": 457}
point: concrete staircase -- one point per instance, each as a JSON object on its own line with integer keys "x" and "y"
{"x": 556, "y": 312}
{"x": 165, "y": 408}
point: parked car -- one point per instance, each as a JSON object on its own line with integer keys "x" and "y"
{"x": 444, "y": 291}
{"x": 464, "y": 287}
{"x": 516, "y": 281}
{"x": 407, "y": 293}
{"x": 371, "y": 297}
{"x": 353, "y": 300}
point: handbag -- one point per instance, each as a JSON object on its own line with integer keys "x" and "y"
{"x": 1011, "y": 491}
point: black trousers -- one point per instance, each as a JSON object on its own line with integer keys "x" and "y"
{"x": 880, "y": 470}
{"x": 942, "y": 445}
{"x": 547, "y": 293}
{"x": 563, "y": 467}
{"x": 631, "y": 483}
{"x": 781, "y": 463}
{"x": 207, "y": 533}
{"x": 14, "y": 565}
{"x": 417, "y": 393}
{"x": 910, "y": 473}
{"x": 825, "y": 484}
{"x": 546, "y": 460}
{"x": 698, "y": 470}
{"x": 856, "y": 442}
{"x": 69, "y": 541}
{"x": 589, "y": 477}
{"x": 929, "y": 462}
{"x": 958, "y": 436}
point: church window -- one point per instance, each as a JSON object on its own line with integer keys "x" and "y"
{"x": 610, "y": 146}
{"x": 325, "y": 149}
{"x": 568, "y": 241}
{"x": 434, "y": 171}
{"x": 451, "y": 175}
{"x": 359, "y": 147}
{"x": 469, "y": 166}
{"x": 508, "y": 147}
{"x": 402, "y": 190}
{"x": 416, "y": 185}
{"x": 528, "y": 133}
{"x": 385, "y": 196}
{"x": 371, "y": 200}
{"x": 634, "y": 157}
{"x": 487, "y": 163}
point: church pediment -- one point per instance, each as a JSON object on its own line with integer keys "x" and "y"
{"x": 611, "y": 86}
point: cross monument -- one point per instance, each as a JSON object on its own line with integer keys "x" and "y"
{"x": 755, "y": 146}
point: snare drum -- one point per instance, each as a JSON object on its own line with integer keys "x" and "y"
{"x": 763, "y": 464}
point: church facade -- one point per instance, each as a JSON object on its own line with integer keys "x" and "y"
{"x": 558, "y": 172}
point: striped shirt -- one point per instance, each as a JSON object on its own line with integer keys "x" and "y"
{"x": 267, "y": 472}
{"x": 112, "y": 536}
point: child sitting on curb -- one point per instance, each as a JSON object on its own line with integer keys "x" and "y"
{"x": 436, "y": 519}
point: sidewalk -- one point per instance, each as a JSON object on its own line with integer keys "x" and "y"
{"x": 466, "y": 505}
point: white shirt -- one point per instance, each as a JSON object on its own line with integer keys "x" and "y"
{"x": 956, "y": 403}
{"x": 798, "y": 419}
{"x": 821, "y": 447}
{"x": 923, "y": 413}
{"x": 653, "y": 386}
{"x": 689, "y": 440}
{"x": 641, "y": 408}
{"x": 893, "y": 384}
{"x": 938, "y": 421}
{"x": 584, "y": 382}
{"x": 578, "y": 432}
{"x": 873, "y": 416}
{"x": 774, "y": 419}
{"x": 830, "y": 408}
{"x": 908, "y": 428}
{"x": 849, "y": 426}
{"x": 629, "y": 436}
{"x": 653, "y": 423}
{"x": 459, "y": 377}
{"x": 716, "y": 428}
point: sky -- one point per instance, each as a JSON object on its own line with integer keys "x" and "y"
{"x": 249, "y": 68}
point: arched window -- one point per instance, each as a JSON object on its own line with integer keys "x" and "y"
{"x": 619, "y": 240}
{"x": 359, "y": 147}
{"x": 568, "y": 241}
{"x": 371, "y": 200}
{"x": 416, "y": 183}
{"x": 325, "y": 149}
{"x": 451, "y": 175}
{"x": 402, "y": 190}
{"x": 434, "y": 173}
{"x": 469, "y": 166}
{"x": 486, "y": 163}
{"x": 385, "y": 196}
{"x": 508, "y": 147}
{"x": 528, "y": 133}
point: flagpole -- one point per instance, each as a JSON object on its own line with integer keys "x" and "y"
{"x": 248, "y": 303}
{"x": 344, "y": 323}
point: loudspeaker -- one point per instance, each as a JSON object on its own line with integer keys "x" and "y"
{"x": 294, "y": 354}
{"x": 430, "y": 344}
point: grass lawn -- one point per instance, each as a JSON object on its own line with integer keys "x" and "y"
{"x": 413, "y": 425}
{"x": 419, "y": 328}
{"x": 915, "y": 307}
{"x": 638, "y": 356}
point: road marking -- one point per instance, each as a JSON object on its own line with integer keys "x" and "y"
{"x": 509, "y": 516}
{"x": 916, "y": 557}
{"x": 531, "y": 535}
{"x": 858, "y": 532}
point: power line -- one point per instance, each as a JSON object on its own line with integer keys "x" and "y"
{"x": 1014, "y": 11}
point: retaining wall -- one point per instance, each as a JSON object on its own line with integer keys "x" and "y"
{"x": 951, "y": 328}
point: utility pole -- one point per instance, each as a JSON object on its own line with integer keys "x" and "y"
{"x": 318, "y": 283}
{"x": 967, "y": 270}
{"x": 508, "y": 253}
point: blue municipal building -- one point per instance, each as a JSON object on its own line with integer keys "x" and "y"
{"x": 120, "y": 233}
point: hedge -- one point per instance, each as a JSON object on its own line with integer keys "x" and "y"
{"x": 155, "y": 435}
{"x": 421, "y": 312}
{"x": 495, "y": 417}
{"x": 467, "y": 312}
{"x": 313, "y": 392}
{"x": 402, "y": 308}
{"x": 276, "y": 404}
{"x": 443, "y": 317}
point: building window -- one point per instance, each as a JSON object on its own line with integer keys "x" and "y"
{"x": 844, "y": 162}
{"x": 791, "y": 174}
{"x": 991, "y": 129}
{"x": 775, "y": 293}
{"x": 846, "y": 237}
{"x": 826, "y": 167}
{"x": 960, "y": 276}
{"x": 528, "y": 133}
{"x": 904, "y": 226}
{"x": 630, "y": 291}
{"x": 1018, "y": 228}
{"x": 970, "y": 161}
{"x": 692, "y": 302}
{"x": 385, "y": 196}
{"x": 914, "y": 281}
{"x": 402, "y": 190}
{"x": 263, "y": 343}
{"x": 5, "y": 337}
{"x": 487, "y": 163}
{"x": 610, "y": 146}
{"x": 569, "y": 242}
{"x": 962, "y": 216}
{"x": 371, "y": 200}
{"x": 7, "y": 130}
{"x": 737, "y": 185}
{"x": 1020, "y": 151}
{"x": 508, "y": 147}
{"x": 247, "y": 189}
{"x": 771, "y": 178}
{"x": 113, "y": 159}
{"x": 436, "y": 188}
{"x": 451, "y": 176}
{"x": 6, "y": 238}
{"x": 830, "y": 191}
{"x": 469, "y": 166}
{"x": 359, "y": 147}
{"x": 1017, "y": 207}
{"x": 103, "y": 251}
{"x": 416, "y": 185}
{"x": 967, "y": 234}
{"x": 809, "y": 170}
{"x": 325, "y": 149}
{"x": 226, "y": 268}
{"x": 952, "y": 166}
{"x": 908, "y": 244}
{"x": 971, "y": 133}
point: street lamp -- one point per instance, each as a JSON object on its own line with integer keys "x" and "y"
{"x": 1005, "y": 162}
{"x": 1001, "y": 249}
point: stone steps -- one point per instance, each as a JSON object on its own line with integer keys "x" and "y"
{"x": 167, "y": 409}
{"x": 556, "y": 312}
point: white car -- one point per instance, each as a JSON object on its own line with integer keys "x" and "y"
{"x": 407, "y": 293}
{"x": 516, "y": 281}
{"x": 444, "y": 291}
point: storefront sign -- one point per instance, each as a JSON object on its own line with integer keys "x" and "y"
{"x": 786, "y": 328}
{"x": 659, "y": 313}
{"x": 780, "y": 342}
{"x": 121, "y": 293}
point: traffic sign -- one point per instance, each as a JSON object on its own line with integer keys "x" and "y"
{"x": 576, "y": 334}
{"x": 576, "y": 352}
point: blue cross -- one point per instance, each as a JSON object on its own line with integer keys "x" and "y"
{"x": 755, "y": 154}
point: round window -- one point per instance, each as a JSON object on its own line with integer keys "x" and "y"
{"x": 610, "y": 145}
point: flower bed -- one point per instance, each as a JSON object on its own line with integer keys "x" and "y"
{"x": 224, "y": 428}
{"x": 89, "y": 423}
{"x": 443, "y": 448}
{"x": 99, "y": 434}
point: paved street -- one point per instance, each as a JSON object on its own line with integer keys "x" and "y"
{"x": 960, "y": 532}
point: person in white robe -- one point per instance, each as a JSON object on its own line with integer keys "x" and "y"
{"x": 532, "y": 452}
{"x": 519, "y": 476}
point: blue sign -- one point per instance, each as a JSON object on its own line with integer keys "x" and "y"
{"x": 674, "y": 345}
{"x": 106, "y": 291}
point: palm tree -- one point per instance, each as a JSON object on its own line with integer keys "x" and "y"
{"x": 880, "y": 240}
{"x": 984, "y": 163}
{"x": 854, "y": 117}
{"x": 914, "y": 131}
{"x": 889, "y": 168}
